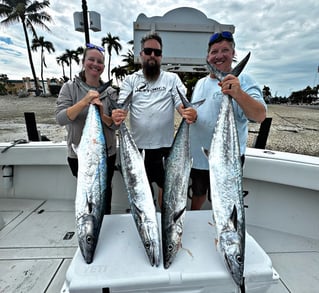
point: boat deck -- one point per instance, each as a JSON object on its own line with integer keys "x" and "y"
{"x": 38, "y": 242}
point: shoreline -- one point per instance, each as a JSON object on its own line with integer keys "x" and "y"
{"x": 294, "y": 128}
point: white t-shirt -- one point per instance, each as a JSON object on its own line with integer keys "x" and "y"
{"x": 152, "y": 108}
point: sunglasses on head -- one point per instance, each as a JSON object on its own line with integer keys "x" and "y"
{"x": 221, "y": 36}
{"x": 148, "y": 51}
{"x": 91, "y": 46}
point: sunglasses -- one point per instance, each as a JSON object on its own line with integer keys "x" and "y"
{"x": 148, "y": 51}
{"x": 221, "y": 36}
{"x": 91, "y": 46}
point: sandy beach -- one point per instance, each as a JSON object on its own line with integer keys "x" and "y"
{"x": 294, "y": 129}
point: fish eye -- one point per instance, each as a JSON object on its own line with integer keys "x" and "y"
{"x": 239, "y": 258}
{"x": 89, "y": 239}
{"x": 147, "y": 245}
{"x": 170, "y": 247}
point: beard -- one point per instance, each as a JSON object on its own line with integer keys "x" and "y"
{"x": 151, "y": 69}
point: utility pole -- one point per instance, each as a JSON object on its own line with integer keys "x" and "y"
{"x": 85, "y": 20}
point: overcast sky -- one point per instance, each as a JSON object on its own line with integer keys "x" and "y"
{"x": 282, "y": 36}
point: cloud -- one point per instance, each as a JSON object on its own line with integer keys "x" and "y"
{"x": 281, "y": 36}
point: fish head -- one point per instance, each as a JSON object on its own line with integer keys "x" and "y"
{"x": 149, "y": 236}
{"x": 88, "y": 231}
{"x": 233, "y": 251}
{"x": 172, "y": 239}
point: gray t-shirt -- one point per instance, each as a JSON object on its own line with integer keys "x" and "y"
{"x": 70, "y": 93}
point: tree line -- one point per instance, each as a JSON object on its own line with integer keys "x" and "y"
{"x": 309, "y": 95}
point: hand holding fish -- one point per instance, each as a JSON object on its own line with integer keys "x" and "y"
{"x": 92, "y": 97}
{"x": 230, "y": 85}
{"x": 118, "y": 116}
{"x": 189, "y": 114}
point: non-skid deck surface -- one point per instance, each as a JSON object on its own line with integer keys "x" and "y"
{"x": 37, "y": 246}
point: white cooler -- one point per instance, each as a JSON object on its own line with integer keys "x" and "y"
{"x": 121, "y": 265}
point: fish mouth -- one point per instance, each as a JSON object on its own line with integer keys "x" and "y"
{"x": 227, "y": 261}
{"x": 154, "y": 260}
{"x": 238, "y": 280}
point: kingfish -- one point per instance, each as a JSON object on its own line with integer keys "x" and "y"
{"x": 91, "y": 184}
{"x": 139, "y": 194}
{"x": 177, "y": 170}
{"x": 225, "y": 172}
{"x": 91, "y": 180}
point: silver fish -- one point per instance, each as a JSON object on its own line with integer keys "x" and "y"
{"x": 226, "y": 187}
{"x": 177, "y": 170}
{"x": 91, "y": 183}
{"x": 139, "y": 195}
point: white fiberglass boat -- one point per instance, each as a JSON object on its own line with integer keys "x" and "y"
{"x": 38, "y": 245}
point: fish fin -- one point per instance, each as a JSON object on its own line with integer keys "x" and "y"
{"x": 233, "y": 217}
{"x": 179, "y": 214}
{"x": 184, "y": 100}
{"x": 198, "y": 103}
{"x": 240, "y": 66}
{"x": 164, "y": 162}
{"x": 186, "y": 103}
{"x": 104, "y": 86}
{"x": 114, "y": 104}
{"x": 75, "y": 148}
{"x": 139, "y": 212}
{"x": 143, "y": 154}
{"x": 206, "y": 152}
{"x": 124, "y": 105}
{"x": 127, "y": 101}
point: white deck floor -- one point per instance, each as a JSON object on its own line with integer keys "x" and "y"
{"x": 38, "y": 242}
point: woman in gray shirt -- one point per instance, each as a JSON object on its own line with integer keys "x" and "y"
{"x": 72, "y": 108}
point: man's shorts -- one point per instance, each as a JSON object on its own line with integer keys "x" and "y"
{"x": 154, "y": 164}
{"x": 200, "y": 180}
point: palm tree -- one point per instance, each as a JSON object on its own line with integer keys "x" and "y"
{"x": 40, "y": 42}
{"x": 120, "y": 72}
{"x": 130, "y": 66}
{"x": 129, "y": 60}
{"x": 28, "y": 13}
{"x": 63, "y": 59}
{"x": 73, "y": 55}
{"x": 112, "y": 43}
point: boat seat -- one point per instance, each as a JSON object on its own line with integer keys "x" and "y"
{"x": 32, "y": 130}
{"x": 261, "y": 139}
